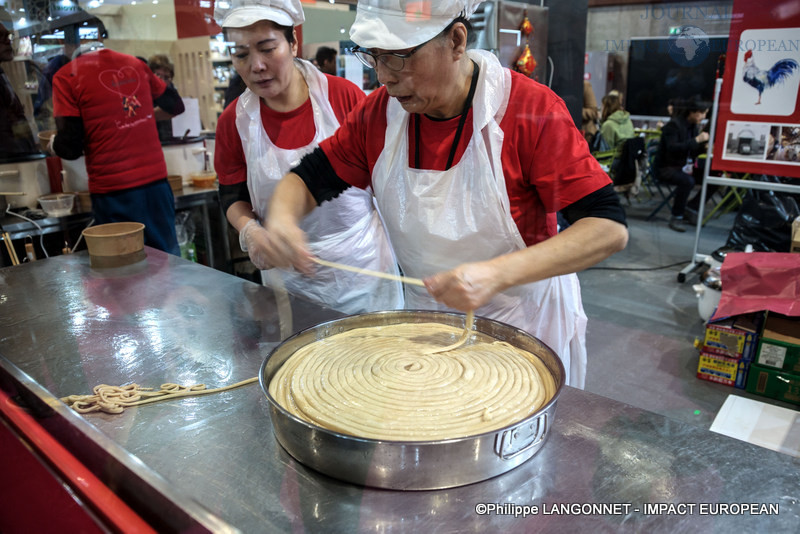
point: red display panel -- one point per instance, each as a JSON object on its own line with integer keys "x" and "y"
{"x": 195, "y": 18}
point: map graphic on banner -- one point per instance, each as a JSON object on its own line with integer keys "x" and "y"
{"x": 758, "y": 122}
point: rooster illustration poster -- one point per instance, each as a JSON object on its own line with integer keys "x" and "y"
{"x": 767, "y": 77}
{"x": 759, "y": 103}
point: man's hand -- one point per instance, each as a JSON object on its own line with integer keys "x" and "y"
{"x": 467, "y": 287}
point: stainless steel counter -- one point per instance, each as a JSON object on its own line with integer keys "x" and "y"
{"x": 212, "y": 461}
{"x": 205, "y": 200}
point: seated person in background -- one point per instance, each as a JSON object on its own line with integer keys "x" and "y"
{"x": 681, "y": 143}
{"x": 616, "y": 126}
{"x": 660, "y": 124}
{"x": 326, "y": 60}
{"x": 165, "y": 70}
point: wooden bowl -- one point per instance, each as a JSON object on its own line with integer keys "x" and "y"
{"x": 175, "y": 182}
{"x": 115, "y": 244}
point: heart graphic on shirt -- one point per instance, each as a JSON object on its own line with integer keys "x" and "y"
{"x": 124, "y": 81}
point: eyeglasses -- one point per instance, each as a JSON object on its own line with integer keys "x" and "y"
{"x": 390, "y": 60}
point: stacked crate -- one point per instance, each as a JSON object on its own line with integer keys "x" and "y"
{"x": 729, "y": 346}
{"x": 775, "y": 372}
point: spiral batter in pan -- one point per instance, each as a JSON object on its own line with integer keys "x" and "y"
{"x": 382, "y": 383}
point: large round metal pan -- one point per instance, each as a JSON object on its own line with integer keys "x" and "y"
{"x": 411, "y": 465}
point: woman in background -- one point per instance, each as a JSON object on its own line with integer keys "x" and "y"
{"x": 289, "y": 106}
{"x": 615, "y": 126}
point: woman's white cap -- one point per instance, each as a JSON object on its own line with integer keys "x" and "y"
{"x": 241, "y": 13}
{"x": 401, "y": 24}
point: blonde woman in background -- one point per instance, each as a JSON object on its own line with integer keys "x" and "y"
{"x": 615, "y": 126}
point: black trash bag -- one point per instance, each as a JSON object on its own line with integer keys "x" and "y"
{"x": 764, "y": 219}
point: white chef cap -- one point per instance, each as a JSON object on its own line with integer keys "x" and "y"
{"x": 241, "y": 13}
{"x": 400, "y": 24}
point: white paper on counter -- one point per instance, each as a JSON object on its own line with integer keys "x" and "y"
{"x": 761, "y": 424}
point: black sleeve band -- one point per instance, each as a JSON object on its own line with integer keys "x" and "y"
{"x": 170, "y": 101}
{"x": 317, "y": 172}
{"x": 603, "y": 203}
{"x": 69, "y": 139}
{"x": 230, "y": 194}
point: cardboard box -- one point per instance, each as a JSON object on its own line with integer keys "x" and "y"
{"x": 734, "y": 337}
{"x": 795, "y": 244}
{"x": 779, "y": 344}
{"x": 728, "y": 371}
{"x": 773, "y": 383}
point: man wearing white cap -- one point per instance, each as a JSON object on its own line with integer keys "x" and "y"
{"x": 469, "y": 163}
{"x": 286, "y": 110}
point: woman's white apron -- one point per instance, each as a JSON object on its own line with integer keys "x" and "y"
{"x": 441, "y": 219}
{"x": 347, "y": 229}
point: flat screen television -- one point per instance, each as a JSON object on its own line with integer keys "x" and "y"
{"x": 676, "y": 67}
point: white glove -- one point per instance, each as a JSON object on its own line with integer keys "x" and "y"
{"x": 251, "y": 240}
{"x": 50, "y": 145}
{"x": 252, "y": 223}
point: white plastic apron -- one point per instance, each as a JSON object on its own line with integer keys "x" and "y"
{"x": 347, "y": 229}
{"x": 441, "y": 219}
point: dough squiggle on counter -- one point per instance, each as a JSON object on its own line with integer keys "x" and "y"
{"x": 379, "y": 383}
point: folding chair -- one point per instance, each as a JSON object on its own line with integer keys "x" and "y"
{"x": 648, "y": 176}
{"x": 627, "y": 176}
{"x": 654, "y": 182}
{"x": 730, "y": 201}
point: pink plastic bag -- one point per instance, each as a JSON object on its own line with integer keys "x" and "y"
{"x": 760, "y": 281}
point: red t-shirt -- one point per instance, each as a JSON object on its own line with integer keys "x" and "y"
{"x": 292, "y": 129}
{"x": 113, "y": 94}
{"x": 546, "y": 161}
